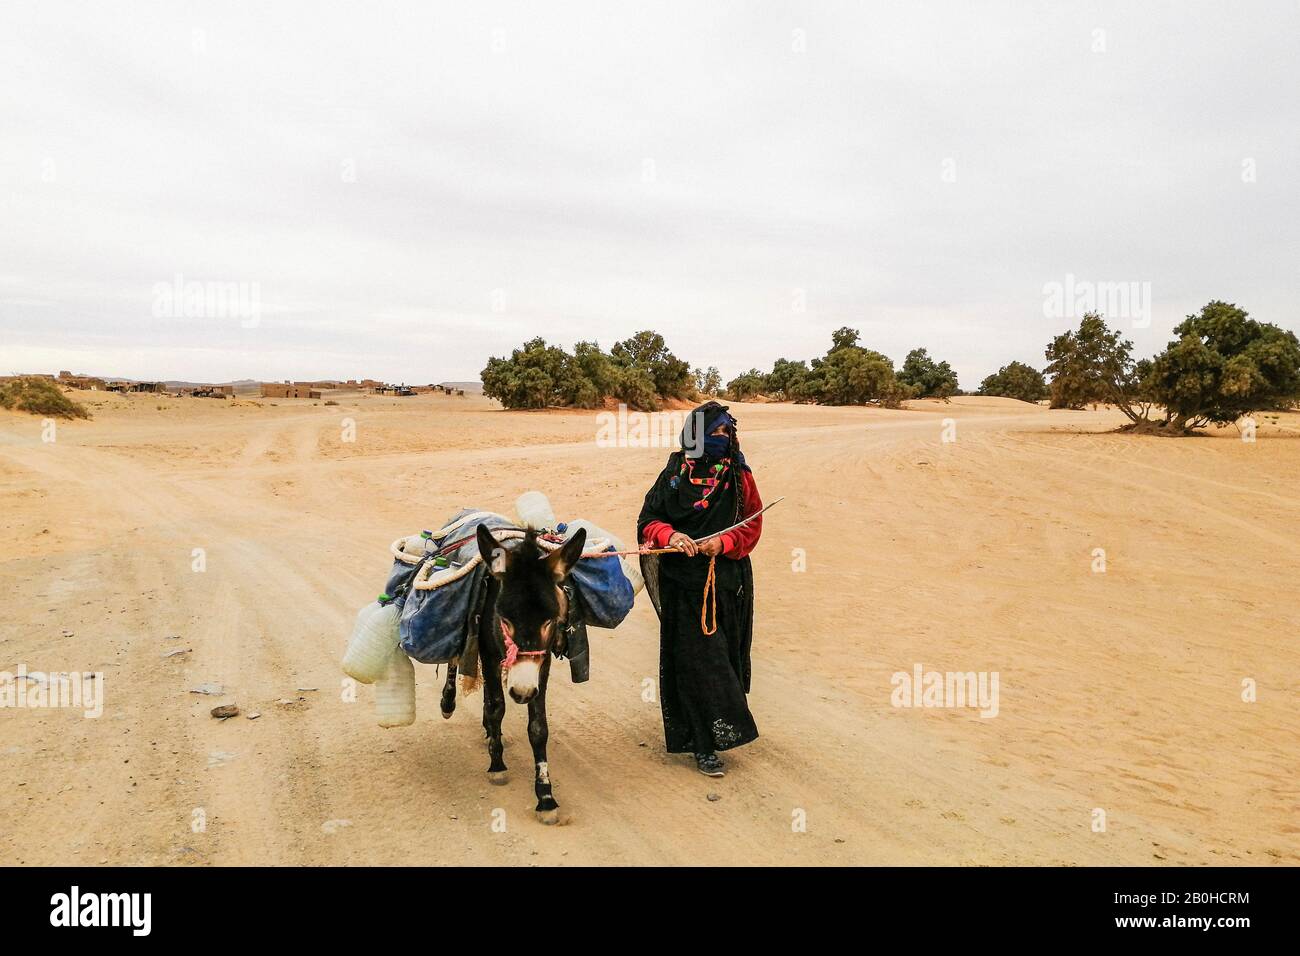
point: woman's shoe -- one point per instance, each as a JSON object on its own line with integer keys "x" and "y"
{"x": 709, "y": 765}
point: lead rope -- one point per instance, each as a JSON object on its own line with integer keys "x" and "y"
{"x": 710, "y": 601}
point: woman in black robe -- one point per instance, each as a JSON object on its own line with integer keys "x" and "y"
{"x": 705, "y": 595}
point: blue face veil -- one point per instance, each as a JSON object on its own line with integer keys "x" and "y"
{"x": 717, "y": 446}
{"x": 698, "y": 439}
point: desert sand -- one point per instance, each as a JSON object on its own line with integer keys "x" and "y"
{"x": 1119, "y": 691}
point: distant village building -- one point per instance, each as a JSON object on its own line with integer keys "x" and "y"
{"x": 402, "y": 390}
{"x": 288, "y": 390}
{"x": 207, "y": 391}
{"x": 88, "y": 382}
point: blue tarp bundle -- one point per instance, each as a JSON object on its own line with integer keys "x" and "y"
{"x": 604, "y": 590}
{"x": 435, "y": 621}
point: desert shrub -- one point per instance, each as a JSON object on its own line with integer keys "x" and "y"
{"x": 848, "y": 374}
{"x": 1085, "y": 364}
{"x": 646, "y": 350}
{"x": 532, "y": 377}
{"x": 747, "y": 385}
{"x": 598, "y": 372}
{"x": 786, "y": 375}
{"x": 1016, "y": 380}
{"x": 641, "y": 372}
{"x": 708, "y": 381}
{"x": 853, "y": 375}
{"x": 635, "y": 388}
{"x": 1224, "y": 365}
{"x": 39, "y": 396}
{"x": 807, "y": 389}
{"x": 1094, "y": 364}
{"x": 926, "y": 377}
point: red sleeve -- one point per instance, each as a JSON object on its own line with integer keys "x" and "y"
{"x": 740, "y": 541}
{"x": 656, "y": 534}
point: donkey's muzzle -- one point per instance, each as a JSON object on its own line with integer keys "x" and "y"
{"x": 521, "y": 680}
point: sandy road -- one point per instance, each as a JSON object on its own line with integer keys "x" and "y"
{"x": 1119, "y": 691}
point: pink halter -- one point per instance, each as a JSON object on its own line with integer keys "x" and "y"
{"x": 513, "y": 652}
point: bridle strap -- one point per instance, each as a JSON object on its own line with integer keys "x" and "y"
{"x": 513, "y": 653}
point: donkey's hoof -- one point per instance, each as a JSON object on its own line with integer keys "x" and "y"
{"x": 498, "y": 778}
{"x": 446, "y": 714}
{"x": 548, "y": 817}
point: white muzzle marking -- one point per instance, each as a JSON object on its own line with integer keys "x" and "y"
{"x": 521, "y": 679}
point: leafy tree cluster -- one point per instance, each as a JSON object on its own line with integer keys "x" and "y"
{"x": 1016, "y": 380}
{"x": 926, "y": 377}
{"x": 639, "y": 371}
{"x": 848, "y": 374}
{"x": 1222, "y": 366}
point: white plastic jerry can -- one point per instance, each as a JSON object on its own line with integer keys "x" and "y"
{"x": 373, "y": 640}
{"x": 533, "y": 509}
{"x": 395, "y": 692}
{"x": 418, "y": 544}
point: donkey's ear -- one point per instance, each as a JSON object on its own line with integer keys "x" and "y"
{"x": 494, "y": 555}
{"x": 562, "y": 560}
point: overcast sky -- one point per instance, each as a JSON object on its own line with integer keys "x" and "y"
{"x": 403, "y": 190}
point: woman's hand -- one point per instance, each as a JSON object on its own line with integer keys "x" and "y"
{"x": 710, "y": 546}
{"x": 682, "y": 542}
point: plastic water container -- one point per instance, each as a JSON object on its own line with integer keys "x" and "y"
{"x": 418, "y": 544}
{"x": 373, "y": 640}
{"x": 533, "y": 509}
{"x": 631, "y": 564}
{"x": 395, "y": 693}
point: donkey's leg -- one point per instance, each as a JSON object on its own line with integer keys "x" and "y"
{"x": 547, "y": 808}
{"x": 494, "y": 708}
{"x": 448, "y": 704}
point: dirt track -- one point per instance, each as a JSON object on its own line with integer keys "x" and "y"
{"x": 1119, "y": 691}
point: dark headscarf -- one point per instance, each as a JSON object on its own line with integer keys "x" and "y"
{"x": 698, "y": 492}
{"x": 697, "y": 438}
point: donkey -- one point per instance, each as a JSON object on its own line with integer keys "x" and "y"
{"x": 525, "y": 606}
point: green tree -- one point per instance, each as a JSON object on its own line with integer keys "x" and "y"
{"x": 635, "y": 388}
{"x": 640, "y": 372}
{"x": 1224, "y": 365}
{"x": 708, "y": 381}
{"x": 647, "y": 350}
{"x": 747, "y": 385}
{"x": 1094, "y": 364}
{"x": 848, "y": 374}
{"x": 1085, "y": 364}
{"x": 812, "y": 386}
{"x": 531, "y": 378}
{"x": 786, "y": 376}
{"x": 596, "y": 366}
{"x": 844, "y": 338}
{"x": 1016, "y": 380}
{"x": 575, "y": 388}
{"x": 926, "y": 377}
{"x": 852, "y": 375}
